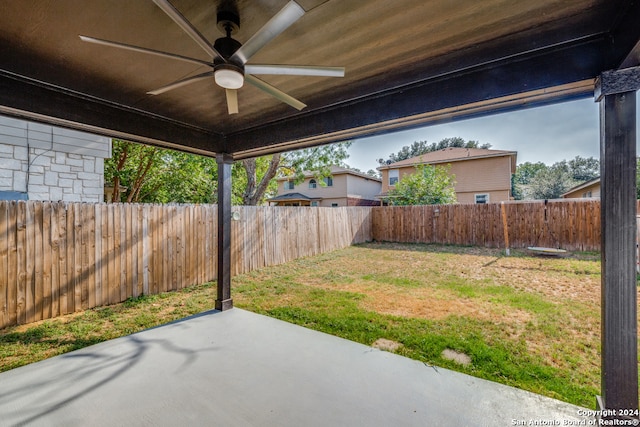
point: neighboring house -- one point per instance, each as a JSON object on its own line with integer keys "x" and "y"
{"x": 344, "y": 188}
{"x": 481, "y": 175}
{"x": 590, "y": 188}
{"x": 43, "y": 162}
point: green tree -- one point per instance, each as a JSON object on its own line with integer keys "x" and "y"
{"x": 421, "y": 147}
{"x": 521, "y": 179}
{"x": 371, "y": 172}
{"x": 552, "y": 182}
{"x": 188, "y": 178}
{"x": 127, "y": 168}
{"x": 584, "y": 169}
{"x": 539, "y": 181}
{"x": 429, "y": 185}
{"x": 260, "y": 172}
{"x": 526, "y": 171}
{"x": 155, "y": 175}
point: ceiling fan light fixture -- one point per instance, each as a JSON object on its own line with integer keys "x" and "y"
{"x": 228, "y": 78}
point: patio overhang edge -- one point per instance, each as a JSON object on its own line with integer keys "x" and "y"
{"x": 574, "y": 91}
{"x": 29, "y": 99}
{"x": 529, "y": 80}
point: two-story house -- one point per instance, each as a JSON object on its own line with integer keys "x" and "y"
{"x": 344, "y": 188}
{"x": 481, "y": 175}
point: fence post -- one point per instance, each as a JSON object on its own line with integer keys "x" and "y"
{"x": 505, "y": 228}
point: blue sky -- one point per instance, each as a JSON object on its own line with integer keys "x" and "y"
{"x": 544, "y": 134}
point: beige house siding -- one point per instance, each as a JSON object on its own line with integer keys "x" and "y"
{"x": 339, "y": 201}
{"x": 482, "y": 175}
{"x": 592, "y": 190}
{"x": 337, "y": 190}
{"x": 348, "y": 189}
{"x": 362, "y": 187}
{"x": 494, "y": 196}
{"x": 489, "y": 175}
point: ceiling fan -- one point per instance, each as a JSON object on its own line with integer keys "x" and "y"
{"x": 229, "y": 57}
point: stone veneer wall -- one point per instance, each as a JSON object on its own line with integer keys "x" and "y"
{"x": 49, "y": 163}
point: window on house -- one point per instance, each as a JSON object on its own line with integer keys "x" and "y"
{"x": 482, "y": 198}
{"x": 314, "y": 203}
{"x": 329, "y": 181}
{"x": 587, "y": 194}
{"x": 289, "y": 185}
{"x": 334, "y": 205}
{"x": 313, "y": 183}
{"x": 393, "y": 176}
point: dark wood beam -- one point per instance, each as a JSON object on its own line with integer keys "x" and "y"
{"x": 626, "y": 36}
{"x": 633, "y": 58}
{"x": 541, "y": 70}
{"x": 619, "y": 333}
{"x": 34, "y": 100}
{"x": 224, "y": 301}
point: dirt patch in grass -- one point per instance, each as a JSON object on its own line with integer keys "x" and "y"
{"x": 386, "y": 345}
{"x": 456, "y": 356}
{"x": 554, "y": 278}
{"x": 428, "y": 303}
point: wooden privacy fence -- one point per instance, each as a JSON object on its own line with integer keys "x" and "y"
{"x": 58, "y": 258}
{"x": 569, "y": 224}
{"x": 266, "y": 236}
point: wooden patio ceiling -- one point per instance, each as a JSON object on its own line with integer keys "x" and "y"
{"x": 408, "y": 63}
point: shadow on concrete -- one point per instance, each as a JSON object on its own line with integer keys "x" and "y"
{"x": 80, "y": 373}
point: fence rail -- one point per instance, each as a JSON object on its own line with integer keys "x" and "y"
{"x": 58, "y": 258}
{"x": 572, "y": 225}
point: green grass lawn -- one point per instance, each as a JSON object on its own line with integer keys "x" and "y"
{"x": 524, "y": 321}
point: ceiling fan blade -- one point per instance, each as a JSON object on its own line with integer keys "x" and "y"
{"x": 232, "y": 100}
{"x": 186, "y": 26}
{"x": 275, "y": 92}
{"x": 143, "y": 50}
{"x": 181, "y": 82}
{"x": 276, "y": 25}
{"x": 294, "y": 70}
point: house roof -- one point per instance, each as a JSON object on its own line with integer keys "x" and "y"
{"x": 292, "y": 197}
{"x": 408, "y": 63}
{"x": 448, "y": 155}
{"x": 337, "y": 170}
{"x": 582, "y": 186}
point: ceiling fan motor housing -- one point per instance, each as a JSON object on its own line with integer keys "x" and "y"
{"x": 226, "y": 46}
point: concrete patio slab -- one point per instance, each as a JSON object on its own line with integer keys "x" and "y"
{"x": 237, "y": 368}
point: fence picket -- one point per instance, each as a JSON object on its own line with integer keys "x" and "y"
{"x": 98, "y": 254}
{"x": 4, "y": 263}
{"x": 47, "y": 249}
{"x": 12, "y": 263}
